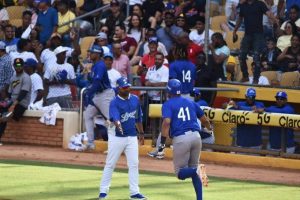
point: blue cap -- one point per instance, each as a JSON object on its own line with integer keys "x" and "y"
{"x": 96, "y": 49}
{"x": 196, "y": 92}
{"x": 251, "y": 92}
{"x": 123, "y": 82}
{"x": 170, "y": 6}
{"x": 30, "y": 62}
{"x": 153, "y": 40}
{"x": 108, "y": 55}
{"x": 281, "y": 94}
{"x": 174, "y": 86}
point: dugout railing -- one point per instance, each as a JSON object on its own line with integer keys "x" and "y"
{"x": 246, "y": 117}
{"x": 142, "y": 89}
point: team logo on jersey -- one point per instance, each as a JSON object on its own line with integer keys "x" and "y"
{"x": 15, "y": 83}
{"x": 126, "y": 116}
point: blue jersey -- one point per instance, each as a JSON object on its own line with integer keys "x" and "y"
{"x": 275, "y": 132}
{"x": 249, "y": 135}
{"x": 202, "y": 103}
{"x": 185, "y": 72}
{"x": 183, "y": 114}
{"x": 128, "y": 112}
{"x": 98, "y": 78}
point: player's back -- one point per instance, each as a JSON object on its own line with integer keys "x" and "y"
{"x": 185, "y": 72}
{"x": 183, "y": 114}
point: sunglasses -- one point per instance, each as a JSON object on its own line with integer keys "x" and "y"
{"x": 280, "y": 98}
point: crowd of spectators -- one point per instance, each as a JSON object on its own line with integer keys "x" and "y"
{"x": 144, "y": 43}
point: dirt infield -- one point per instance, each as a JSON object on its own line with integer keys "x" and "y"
{"x": 58, "y": 155}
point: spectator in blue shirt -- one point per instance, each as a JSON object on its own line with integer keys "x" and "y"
{"x": 170, "y": 33}
{"x": 248, "y": 135}
{"x": 47, "y": 21}
{"x": 275, "y": 132}
{"x": 10, "y": 40}
{"x": 6, "y": 68}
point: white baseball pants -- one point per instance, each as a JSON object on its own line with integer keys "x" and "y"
{"x": 117, "y": 145}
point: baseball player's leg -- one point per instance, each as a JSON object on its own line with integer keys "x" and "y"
{"x": 196, "y": 146}
{"x": 89, "y": 114}
{"x": 132, "y": 156}
{"x": 186, "y": 154}
{"x": 181, "y": 156}
{"x": 103, "y": 100}
{"x": 155, "y": 151}
{"x": 116, "y": 146}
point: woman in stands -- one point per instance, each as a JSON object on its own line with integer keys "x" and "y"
{"x": 289, "y": 55}
{"x": 135, "y": 28}
{"x": 284, "y": 41}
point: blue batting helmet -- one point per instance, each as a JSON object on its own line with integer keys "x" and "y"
{"x": 250, "y": 92}
{"x": 196, "y": 92}
{"x": 123, "y": 82}
{"x": 281, "y": 94}
{"x": 174, "y": 86}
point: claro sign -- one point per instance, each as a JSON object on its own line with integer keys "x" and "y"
{"x": 248, "y": 117}
{"x": 241, "y": 117}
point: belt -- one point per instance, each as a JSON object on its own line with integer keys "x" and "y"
{"x": 190, "y": 132}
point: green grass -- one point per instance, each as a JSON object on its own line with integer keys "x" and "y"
{"x": 36, "y": 181}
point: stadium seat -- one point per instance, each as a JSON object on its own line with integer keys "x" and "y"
{"x": 271, "y": 75}
{"x": 214, "y": 9}
{"x": 15, "y": 12}
{"x": 216, "y": 22}
{"x": 79, "y": 3}
{"x": 85, "y": 44}
{"x": 16, "y": 22}
{"x": 290, "y": 79}
{"x": 237, "y": 44}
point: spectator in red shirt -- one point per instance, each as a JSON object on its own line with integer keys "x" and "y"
{"x": 193, "y": 49}
{"x": 148, "y": 60}
{"x": 128, "y": 43}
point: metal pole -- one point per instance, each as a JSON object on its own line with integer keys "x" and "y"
{"x": 283, "y": 142}
{"x": 81, "y": 110}
{"x": 200, "y": 88}
{"x": 127, "y": 8}
{"x": 207, "y": 21}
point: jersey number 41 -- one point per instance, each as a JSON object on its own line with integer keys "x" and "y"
{"x": 184, "y": 114}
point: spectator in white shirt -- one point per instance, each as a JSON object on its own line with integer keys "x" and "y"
{"x": 198, "y": 35}
{"x": 157, "y": 76}
{"x": 23, "y": 52}
{"x": 262, "y": 80}
{"x": 37, "y": 88}
{"x": 113, "y": 75}
{"x": 58, "y": 79}
{"x": 48, "y": 57}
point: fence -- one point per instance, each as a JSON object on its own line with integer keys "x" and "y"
{"x": 246, "y": 117}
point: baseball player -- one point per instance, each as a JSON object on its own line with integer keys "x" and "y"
{"x": 183, "y": 70}
{"x": 99, "y": 93}
{"x": 126, "y": 114}
{"x": 180, "y": 123}
{"x": 275, "y": 132}
{"x": 207, "y": 137}
{"x": 248, "y": 135}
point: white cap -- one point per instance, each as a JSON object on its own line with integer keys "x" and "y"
{"x": 59, "y": 50}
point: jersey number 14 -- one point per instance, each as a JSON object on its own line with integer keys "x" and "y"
{"x": 186, "y": 76}
{"x": 184, "y": 113}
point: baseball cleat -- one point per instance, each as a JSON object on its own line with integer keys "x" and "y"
{"x": 138, "y": 196}
{"x": 160, "y": 155}
{"x": 201, "y": 171}
{"x": 153, "y": 154}
{"x": 102, "y": 196}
